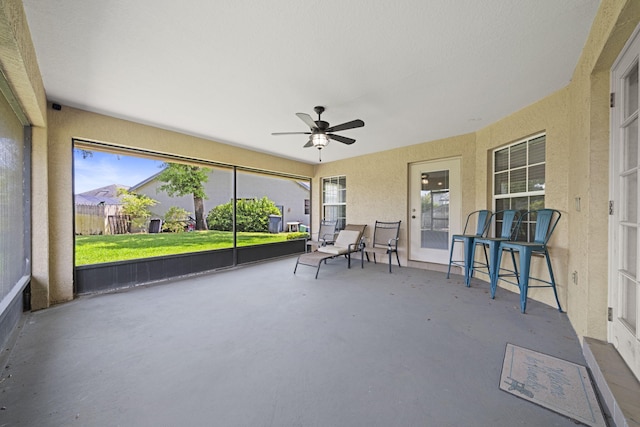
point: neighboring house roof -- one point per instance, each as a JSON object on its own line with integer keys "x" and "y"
{"x": 107, "y": 195}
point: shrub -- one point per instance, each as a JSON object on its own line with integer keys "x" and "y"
{"x": 137, "y": 207}
{"x": 251, "y": 215}
{"x": 293, "y": 236}
{"x": 175, "y": 220}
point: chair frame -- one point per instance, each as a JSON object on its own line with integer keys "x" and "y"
{"x": 324, "y": 238}
{"x": 316, "y": 258}
{"x": 381, "y": 242}
{"x": 510, "y": 226}
{"x": 546, "y": 222}
{"x": 483, "y": 220}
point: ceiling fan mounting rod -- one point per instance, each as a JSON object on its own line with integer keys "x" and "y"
{"x": 319, "y": 109}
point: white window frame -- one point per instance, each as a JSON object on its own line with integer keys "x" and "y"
{"x": 526, "y": 231}
{"x": 342, "y": 201}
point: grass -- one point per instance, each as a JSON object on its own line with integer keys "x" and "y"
{"x": 120, "y": 247}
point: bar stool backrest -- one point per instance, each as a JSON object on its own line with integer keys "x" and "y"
{"x": 546, "y": 221}
{"x": 482, "y": 224}
{"x": 510, "y": 223}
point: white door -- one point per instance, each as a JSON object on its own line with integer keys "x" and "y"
{"x": 434, "y": 211}
{"x": 624, "y": 223}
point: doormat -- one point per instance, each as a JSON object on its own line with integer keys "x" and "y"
{"x": 553, "y": 383}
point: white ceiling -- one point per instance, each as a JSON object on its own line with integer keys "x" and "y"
{"x": 235, "y": 71}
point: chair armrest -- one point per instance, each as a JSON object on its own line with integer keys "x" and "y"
{"x": 357, "y": 246}
{"x": 327, "y": 238}
{"x": 393, "y": 242}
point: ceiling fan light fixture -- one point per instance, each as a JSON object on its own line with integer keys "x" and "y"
{"x": 319, "y": 140}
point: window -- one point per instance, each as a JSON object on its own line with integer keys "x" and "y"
{"x": 334, "y": 200}
{"x": 519, "y": 179}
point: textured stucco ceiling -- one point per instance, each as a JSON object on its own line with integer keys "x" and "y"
{"x": 235, "y": 71}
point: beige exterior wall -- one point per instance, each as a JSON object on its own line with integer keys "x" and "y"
{"x": 589, "y": 172}
{"x": 576, "y": 120}
{"x": 549, "y": 115}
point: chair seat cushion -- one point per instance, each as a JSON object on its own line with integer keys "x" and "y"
{"x": 334, "y": 250}
{"x": 347, "y": 240}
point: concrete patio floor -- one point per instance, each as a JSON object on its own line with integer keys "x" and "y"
{"x": 260, "y": 346}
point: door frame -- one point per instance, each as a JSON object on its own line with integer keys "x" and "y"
{"x": 454, "y": 165}
{"x": 629, "y": 350}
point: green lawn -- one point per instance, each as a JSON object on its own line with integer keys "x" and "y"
{"x": 120, "y": 247}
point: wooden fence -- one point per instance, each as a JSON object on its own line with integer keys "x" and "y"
{"x": 100, "y": 219}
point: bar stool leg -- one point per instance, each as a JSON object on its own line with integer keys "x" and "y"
{"x": 523, "y": 278}
{"x": 553, "y": 280}
{"x": 468, "y": 243}
{"x": 496, "y": 259}
{"x": 453, "y": 242}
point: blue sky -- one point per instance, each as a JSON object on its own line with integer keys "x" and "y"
{"x": 103, "y": 169}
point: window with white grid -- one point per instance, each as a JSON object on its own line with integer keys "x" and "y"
{"x": 334, "y": 200}
{"x": 519, "y": 180}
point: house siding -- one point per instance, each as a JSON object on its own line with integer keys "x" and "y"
{"x": 288, "y": 193}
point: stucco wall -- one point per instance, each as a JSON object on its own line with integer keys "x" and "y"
{"x": 589, "y": 165}
{"x": 549, "y": 115}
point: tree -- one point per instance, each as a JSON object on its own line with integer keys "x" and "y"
{"x": 137, "y": 207}
{"x": 182, "y": 180}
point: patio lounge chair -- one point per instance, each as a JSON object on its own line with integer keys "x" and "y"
{"x": 347, "y": 242}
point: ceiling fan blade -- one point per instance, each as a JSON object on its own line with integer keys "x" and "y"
{"x": 342, "y": 139}
{"x": 349, "y": 125}
{"x": 308, "y": 144}
{"x": 308, "y": 120}
{"x": 291, "y": 133}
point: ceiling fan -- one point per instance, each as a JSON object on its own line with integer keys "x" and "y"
{"x": 321, "y": 132}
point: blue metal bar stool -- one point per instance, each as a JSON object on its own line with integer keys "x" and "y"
{"x": 546, "y": 221}
{"x": 509, "y": 223}
{"x": 483, "y": 218}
